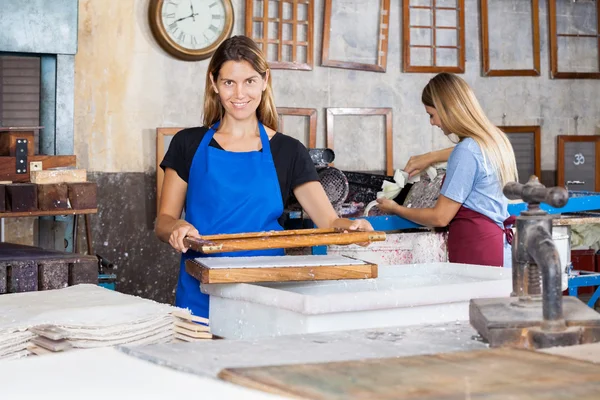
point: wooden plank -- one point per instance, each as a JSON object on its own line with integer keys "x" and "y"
{"x": 2, "y": 198}
{"x": 281, "y": 242}
{"x": 487, "y": 374}
{"x": 21, "y": 197}
{"x": 8, "y": 142}
{"x": 59, "y": 176}
{"x": 8, "y": 166}
{"x": 82, "y": 195}
{"x": 47, "y": 213}
{"x": 52, "y": 196}
{"x": 290, "y": 232}
{"x": 280, "y": 274}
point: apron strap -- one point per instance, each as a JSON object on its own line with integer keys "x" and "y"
{"x": 508, "y": 223}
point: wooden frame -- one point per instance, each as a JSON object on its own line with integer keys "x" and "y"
{"x": 386, "y": 112}
{"x": 555, "y": 73}
{"x": 537, "y": 139}
{"x": 560, "y": 154}
{"x": 485, "y": 50}
{"x": 384, "y": 23}
{"x": 160, "y": 154}
{"x": 311, "y": 113}
{"x": 264, "y": 40}
{"x": 460, "y": 31}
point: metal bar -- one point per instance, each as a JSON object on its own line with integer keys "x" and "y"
{"x": 543, "y": 250}
{"x": 48, "y": 104}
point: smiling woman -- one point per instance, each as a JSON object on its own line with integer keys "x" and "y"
{"x": 191, "y": 29}
{"x": 236, "y": 173}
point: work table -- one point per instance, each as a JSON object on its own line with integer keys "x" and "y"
{"x": 207, "y": 358}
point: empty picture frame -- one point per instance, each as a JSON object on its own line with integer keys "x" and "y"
{"x": 381, "y": 39}
{"x": 512, "y": 30}
{"x": 577, "y": 162}
{"x": 386, "y": 112}
{"x": 433, "y": 36}
{"x": 574, "y": 39}
{"x": 311, "y": 113}
{"x": 526, "y": 142}
{"x": 283, "y": 29}
{"x": 163, "y": 140}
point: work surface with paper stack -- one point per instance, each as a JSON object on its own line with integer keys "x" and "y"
{"x": 280, "y": 338}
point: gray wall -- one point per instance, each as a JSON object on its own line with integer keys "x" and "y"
{"x": 126, "y": 86}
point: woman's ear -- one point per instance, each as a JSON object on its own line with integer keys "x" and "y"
{"x": 214, "y": 86}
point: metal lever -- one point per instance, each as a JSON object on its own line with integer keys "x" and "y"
{"x": 534, "y": 193}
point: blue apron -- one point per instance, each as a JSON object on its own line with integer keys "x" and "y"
{"x": 228, "y": 192}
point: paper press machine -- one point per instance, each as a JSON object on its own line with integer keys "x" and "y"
{"x": 536, "y": 315}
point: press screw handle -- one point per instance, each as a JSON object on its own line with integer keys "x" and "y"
{"x": 533, "y": 193}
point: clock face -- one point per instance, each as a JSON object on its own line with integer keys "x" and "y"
{"x": 191, "y": 29}
{"x": 194, "y": 24}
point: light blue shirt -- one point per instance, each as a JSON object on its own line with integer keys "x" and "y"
{"x": 471, "y": 182}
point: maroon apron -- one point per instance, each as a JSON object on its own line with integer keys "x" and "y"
{"x": 474, "y": 238}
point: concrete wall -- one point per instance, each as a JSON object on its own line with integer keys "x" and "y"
{"x": 126, "y": 86}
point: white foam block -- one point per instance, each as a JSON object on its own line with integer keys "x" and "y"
{"x": 277, "y": 261}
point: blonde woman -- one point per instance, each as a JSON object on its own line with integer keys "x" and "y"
{"x": 235, "y": 173}
{"x": 471, "y": 202}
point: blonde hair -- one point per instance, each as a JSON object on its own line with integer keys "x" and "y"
{"x": 238, "y": 48}
{"x": 461, "y": 114}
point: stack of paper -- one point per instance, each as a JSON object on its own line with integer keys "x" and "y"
{"x": 81, "y": 316}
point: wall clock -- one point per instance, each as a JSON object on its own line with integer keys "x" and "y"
{"x": 191, "y": 30}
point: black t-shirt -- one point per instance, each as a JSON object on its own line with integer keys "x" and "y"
{"x": 292, "y": 161}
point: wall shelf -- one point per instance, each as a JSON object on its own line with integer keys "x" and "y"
{"x": 47, "y": 213}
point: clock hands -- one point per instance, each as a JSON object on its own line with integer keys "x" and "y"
{"x": 192, "y": 8}
{"x": 189, "y": 16}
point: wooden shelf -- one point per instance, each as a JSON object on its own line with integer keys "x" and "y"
{"x": 46, "y": 213}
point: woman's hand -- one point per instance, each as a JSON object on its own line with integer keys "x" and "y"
{"x": 180, "y": 230}
{"x": 387, "y": 206}
{"x": 416, "y": 164}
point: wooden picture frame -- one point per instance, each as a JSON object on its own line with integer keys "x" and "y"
{"x": 311, "y": 113}
{"x": 382, "y": 44}
{"x": 485, "y": 47}
{"x": 161, "y": 134}
{"x": 386, "y": 112}
{"x": 536, "y": 130}
{"x": 433, "y": 27}
{"x": 281, "y": 41}
{"x": 554, "y": 35}
{"x": 563, "y": 140}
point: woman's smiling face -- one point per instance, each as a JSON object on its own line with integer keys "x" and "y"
{"x": 240, "y": 88}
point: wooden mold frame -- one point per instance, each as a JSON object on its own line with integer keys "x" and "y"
{"x": 560, "y": 155}
{"x": 311, "y": 113}
{"x": 554, "y": 35}
{"x": 537, "y": 143}
{"x": 262, "y": 35}
{"x": 485, "y": 48}
{"x": 211, "y": 244}
{"x": 386, "y": 112}
{"x": 289, "y": 273}
{"x": 382, "y": 43}
{"x": 161, "y": 133}
{"x": 460, "y": 32}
